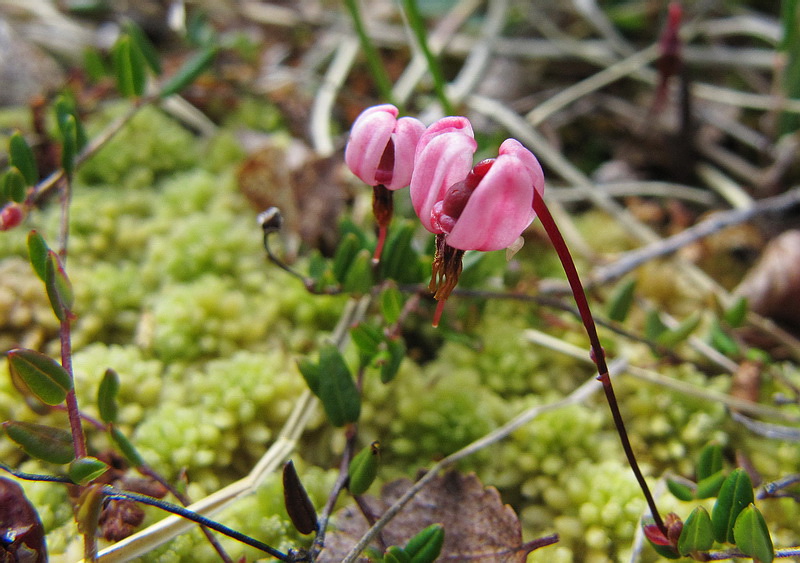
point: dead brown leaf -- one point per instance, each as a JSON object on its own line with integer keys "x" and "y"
{"x": 306, "y": 188}
{"x": 773, "y": 284}
{"x": 478, "y": 526}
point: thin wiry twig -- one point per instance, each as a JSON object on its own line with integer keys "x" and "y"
{"x": 713, "y": 224}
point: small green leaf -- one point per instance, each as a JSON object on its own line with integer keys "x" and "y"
{"x": 359, "y": 277}
{"x": 697, "y": 534}
{"x": 45, "y": 377}
{"x": 129, "y": 67}
{"x": 88, "y": 509}
{"x": 364, "y": 468}
{"x": 189, "y": 72}
{"x": 125, "y": 446}
{"x": 367, "y": 339}
{"x": 21, "y": 156}
{"x": 710, "y": 486}
{"x": 298, "y": 506}
{"x": 145, "y": 47}
{"x": 709, "y": 462}
{"x": 673, "y": 336}
{"x": 37, "y": 253}
{"x": 46, "y": 443}
{"x": 344, "y": 256}
{"x": 396, "y": 554}
{"x": 735, "y": 494}
{"x": 391, "y": 304}
{"x": 65, "y": 109}
{"x": 86, "y": 469}
{"x": 58, "y": 286}
{"x": 722, "y": 341}
{"x": 426, "y": 546}
{"x": 680, "y": 491}
{"x": 337, "y": 390}
{"x": 400, "y": 261}
{"x": 752, "y": 535}
{"x": 15, "y": 188}
{"x": 107, "y": 396}
{"x": 735, "y": 315}
{"x": 391, "y": 358}
{"x": 69, "y": 147}
{"x": 311, "y": 373}
{"x": 621, "y": 300}
{"x": 653, "y": 327}
{"x": 94, "y": 65}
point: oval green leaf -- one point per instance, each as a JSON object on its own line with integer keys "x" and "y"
{"x": 680, "y": 491}
{"x": 359, "y": 277}
{"x": 391, "y": 358}
{"x": 15, "y": 188}
{"x": 426, "y": 546}
{"x": 709, "y": 487}
{"x": 653, "y": 326}
{"x": 43, "y": 376}
{"x": 734, "y": 495}
{"x": 336, "y": 390}
{"x": 344, "y": 256}
{"x": 46, "y": 443}
{"x": 396, "y": 554}
{"x": 363, "y": 469}
{"x": 391, "y": 304}
{"x": 129, "y": 67}
{"x": 621, "y": 300}
{"x": 189, "y": 72}
{"x": 145, "y": 47}
{"x": 37, "y": 253}
{"x": 126, "y": 447}
{"x": 21, "y": 156}
{"x": 681, "y": 332}
{"x": 697, "y": 533}
{"x": 735, "y": 315}
{"x": 752, "y": 535}
{"x": 709, "y": 462}
{"x": 86, "y": 469}
{"x": 107, "y": 396}
{"x": 58, "y": 286}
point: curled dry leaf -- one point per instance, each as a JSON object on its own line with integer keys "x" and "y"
{"x": 478, "y": 526}
{"x": 22, "y": 531}
{"x": 773, "y": 284}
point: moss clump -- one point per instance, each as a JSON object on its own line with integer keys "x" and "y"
{"x": 148, "y": 147}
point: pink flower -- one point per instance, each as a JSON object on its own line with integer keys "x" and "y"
{"x": 443, "y": 157}
{"x": 486, "y": 208}
{"x": 381, "y": 147}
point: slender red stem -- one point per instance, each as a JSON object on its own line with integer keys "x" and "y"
{"x": 597, "y": 353}
{"x": 78, "y": 438}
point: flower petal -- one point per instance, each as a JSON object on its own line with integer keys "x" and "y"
{"x": 443, "y": 157}
{"x": 500, "y": 208}
{"x": 407, "y": 133}
{"x": 369, "y": 136}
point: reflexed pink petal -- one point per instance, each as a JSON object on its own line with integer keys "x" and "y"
{"x": 500, "y": 208}
{"x": 406, "y": 135}
{"x": 443, "y": 157}
{"x": 369, "y": 136}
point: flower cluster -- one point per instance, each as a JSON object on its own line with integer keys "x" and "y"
{"x": 482, "y": 207}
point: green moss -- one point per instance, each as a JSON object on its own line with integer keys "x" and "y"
{"x": 149, "y": 146}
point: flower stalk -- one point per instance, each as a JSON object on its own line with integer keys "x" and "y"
{"x": 597, "y": 353}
